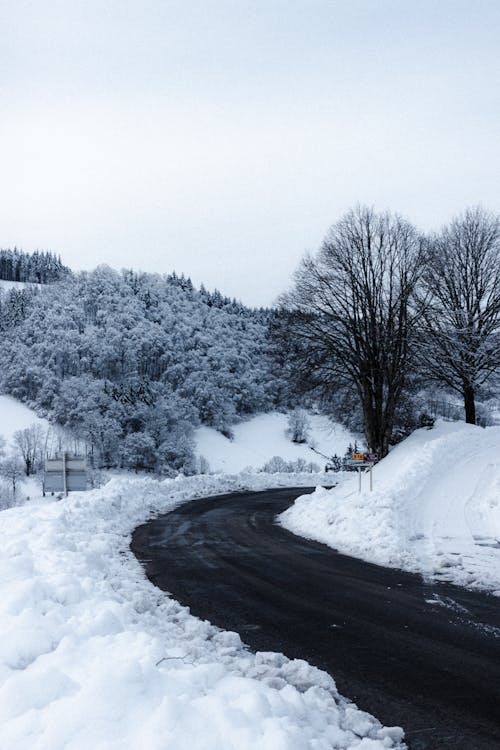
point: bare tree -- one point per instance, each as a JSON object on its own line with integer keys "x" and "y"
{"x": 350, "y": 317}
{"x": 11, "y": 468}
{"x": 460, "y": 343}
{"x": 30, "y": 442}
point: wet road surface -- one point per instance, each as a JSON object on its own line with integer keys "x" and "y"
{"x": 423, "y": 656}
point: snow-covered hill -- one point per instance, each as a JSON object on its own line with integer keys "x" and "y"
{"x": 16, "y": 416}
{"x": 434, "y": 509}
{"x": 260, "y": 438}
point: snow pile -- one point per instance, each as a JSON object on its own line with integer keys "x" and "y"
{"x": 94, "y": 656}
{"x": 434, "y": 509}
{"x": 260, "y": 438}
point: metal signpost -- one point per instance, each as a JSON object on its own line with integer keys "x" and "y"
{"x": 363, "y": 461}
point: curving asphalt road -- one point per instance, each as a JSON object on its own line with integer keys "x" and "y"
{"x": 425, "y": 657}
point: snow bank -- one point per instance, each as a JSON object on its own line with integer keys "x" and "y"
{"x": 94, "y": 656}
{"x": 434, "y": 509}
{"x": 260, "y": 438}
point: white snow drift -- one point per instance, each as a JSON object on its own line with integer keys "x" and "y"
{"x": 94, "y": 656}
{"x": 434, "y": 509}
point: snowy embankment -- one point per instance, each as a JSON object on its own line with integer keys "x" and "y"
{"x": 434, "y": 509}
{"x": 94, "y": 656}
{"x": 259, "y": 438}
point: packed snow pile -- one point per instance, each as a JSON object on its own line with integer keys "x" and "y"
{"x": 94, "y": 656}
{"x": 434, "y": 508}
{"x": 256, "y": 440}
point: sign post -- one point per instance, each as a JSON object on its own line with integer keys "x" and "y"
{"x": 362, "y": 461}
{"x": 65, "y": 479}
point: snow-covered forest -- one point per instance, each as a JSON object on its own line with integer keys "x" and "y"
{"x": 35, "y": 268}
{"x": 384, "y": 330}
{"x": 131, "y": 363}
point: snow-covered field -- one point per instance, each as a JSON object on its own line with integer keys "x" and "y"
{"x": 260, "y": 438}
{"x": 92, "y": 655}
{"x": 16, "y": 416}
{"x": 434, "y": 509}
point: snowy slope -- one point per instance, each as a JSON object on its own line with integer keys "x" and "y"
{"x": 259, "y": 439}
{"x": 94, "y": 656}
{"x": 435, "y": 508}
{"x": 16, "y": 416}
{"x": 6, "y": 285}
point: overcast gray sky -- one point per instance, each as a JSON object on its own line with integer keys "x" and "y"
{"x": 221, "y": 139}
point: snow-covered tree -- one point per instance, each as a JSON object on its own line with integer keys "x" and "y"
{"x": 138, "y": 451}
{"x": 29, "y": 442}
{"x": 275, "y": 465}
{"x": 299, "y": 426}
{"x": 460, "y": 341}
{"x": 11, "y": 469}
{"x": 37, "y": 267}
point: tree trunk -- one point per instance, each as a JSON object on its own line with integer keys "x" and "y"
{"x": 470, "y": 405}
{"x": 378, "y": 428}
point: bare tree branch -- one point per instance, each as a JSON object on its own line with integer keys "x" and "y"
{"x": 350, "y": 312}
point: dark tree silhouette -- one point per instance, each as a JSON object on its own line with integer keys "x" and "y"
{"x": 460, "y": 342}
{"x": 350, "y": 315}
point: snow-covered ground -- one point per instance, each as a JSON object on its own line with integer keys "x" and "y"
{"x": 16, "y": 416}
{"x": 6, "y": 285}
{"x": 434, "y": 509}
{"x": 92, "y": 655}
{"x": 260, "y": 438}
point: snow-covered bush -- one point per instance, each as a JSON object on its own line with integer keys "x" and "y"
{"x": 298, "y": 426}
{"x": 275, "y": 465}
{"x": 278, "y": 465}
